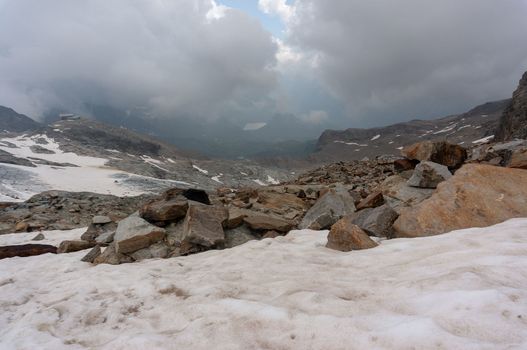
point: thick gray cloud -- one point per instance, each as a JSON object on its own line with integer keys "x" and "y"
{"x": 173, "y": 56}
{"x": 394, "y": 60}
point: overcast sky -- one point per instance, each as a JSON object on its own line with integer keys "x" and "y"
{"x": 354, "y": 62}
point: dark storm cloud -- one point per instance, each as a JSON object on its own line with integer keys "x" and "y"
{"x": 177, "y": 56}
{"x": 391, "y": 60}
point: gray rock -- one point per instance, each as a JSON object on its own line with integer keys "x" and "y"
{"x": 399, "y": 195}
{"x": 159, "y": 250}
{"x": 39, "y": 237}
{"x": 101, "y": 219}
{"x": 134, "y": 233}
{"x": 40, "y": 149}
{"x": 175, "y": 234}
{"x": 203, "y": 225}
{"x": 106, "y": 237}
{"x": 429, "y": 175}
{"x": 92, "y": 254}
{"x": 96, "y": 230}
{"x": 330, "y": 208}
{"x": 238, "y": 236}
{"x": 110, "y": 256}
{"x": 375, "y": 221}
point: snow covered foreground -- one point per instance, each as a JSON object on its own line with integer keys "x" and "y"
{"x": 463, "y": 290}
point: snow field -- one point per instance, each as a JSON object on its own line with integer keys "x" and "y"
{"x": 462, "y": 290}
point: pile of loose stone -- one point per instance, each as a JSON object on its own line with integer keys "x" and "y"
{"x": 431, "y": 190}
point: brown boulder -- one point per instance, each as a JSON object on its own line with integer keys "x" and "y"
{"x": 267, "y": 223}
{"x": 73, "y": 246}
{"x": 440, "y": 152}
{"x": 26, "y": 250}
{"x": 518, "y": 159}
{"x": 161, "y": 210}
{"x": 203, "y": 225}
{"x": 400, "y": 165}
{"x": 345, "y": 236}
{"x": 374, "y": 200}
{"x": 477, "y": 195}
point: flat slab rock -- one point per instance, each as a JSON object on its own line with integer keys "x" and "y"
{"x": 26, "y": 250}
{"x": 265, "y": 222}
{"x": 134, "y": 233}
{"x": 477, "y": 195}
{"x": 203, "y": 225}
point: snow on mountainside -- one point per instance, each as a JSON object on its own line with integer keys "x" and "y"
{"x": 79, "y": 154}
{"x": 465, "y": 129}
{"x": 462, "y": 290}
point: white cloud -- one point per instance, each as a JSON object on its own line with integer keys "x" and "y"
{"x": 389, "y": 60}
{"x": 277, "y": 7}
{"x": 189, "y": 57}
{"x": 315, "y": 117}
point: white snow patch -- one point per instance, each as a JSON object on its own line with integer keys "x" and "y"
{"x": 53, "y": 237}
{"x": 260, "y": 182}
{"x": 272, "y": 180}
{"x": 154, "y": 162}
{"x": 464, "y": 126}
{"x": 217, "y": 178}
{"x": 448, "y": 128}
{"x": 113, "y": 151}
{"x": 200, "y": 170}
{"x": 400, "y": 148}
{"x": 375, "y": 137}
{"x": 245, "y": 174}
{"x": 90, "y": 174}
{"x": 253, "y": 126}
{"x": 463, "y": 290}
{"x": 484, "y": 140}
{"x": 390, "y": 142}
{"x": 170, "y": 160}
{"x": 352, "y": 143}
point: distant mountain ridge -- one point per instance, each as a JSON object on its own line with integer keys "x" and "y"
{"x": 12, "y": 121}
{"x": 466, "y": 129}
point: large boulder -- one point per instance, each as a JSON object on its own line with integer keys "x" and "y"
{"x": 26, "y": 250}
{"x": 329, "y": 208}
{"x": 518, "y": 159}
{"x": 263, "y": 222}
{"x": 345, "y": 236}
{"x": 477, "y": 195}
{"x": 429, "y": 175}
{"x": 375, "y": 221}
{"x": 134, "y": 233}
{"x": 440, "y": 152}
{"x": 165, "y": 210}
{"x": 203, "y": 225}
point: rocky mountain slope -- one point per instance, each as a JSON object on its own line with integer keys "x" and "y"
{"x": 79, "y": 154}
{"x": 470, "y": 128}
{"x": 11, "y": 121}
{"x": 513, "y": 123}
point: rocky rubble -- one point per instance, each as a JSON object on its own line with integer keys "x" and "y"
{"x": 60, "y": 210}
{"x": 384, "y": 198}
